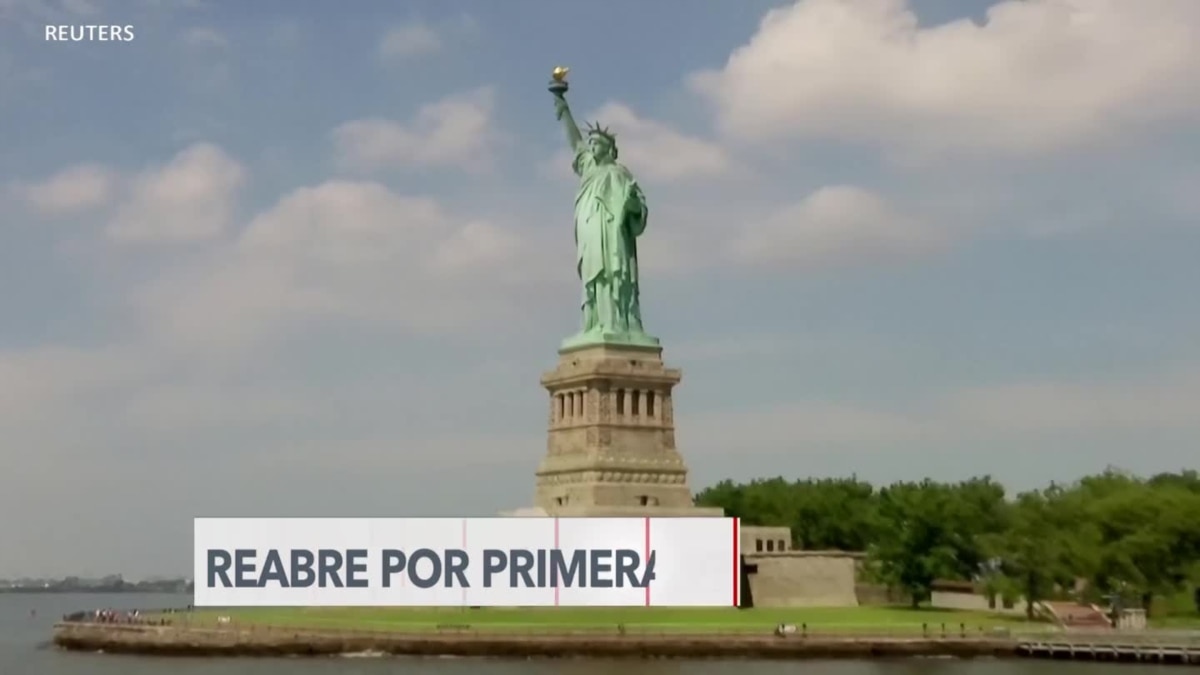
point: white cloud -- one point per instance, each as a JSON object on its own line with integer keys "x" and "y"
{"x": 36, "y": 383}
{"x": 340, "y": 250}
{"x": 1165, "y": 402}
{"x": 192, "y": 197}
{"x": 1036, "y": 75}
{"x": 455, "y": 131}
{"x": 410, "y": 40}
{"x": 72, "y": 191}
{"x": 675, "y": 247}
{"x": 803, "y": 424}
{"x": 1034, "y": 410}
{"x": 181, "y": 405}
{"x": 832, "y": 225}
{"x": 478, "y": 245}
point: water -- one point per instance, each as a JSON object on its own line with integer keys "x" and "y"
{"x": 24, "y": 650}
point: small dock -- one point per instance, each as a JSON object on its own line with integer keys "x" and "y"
{"x": 1156, "y": 647}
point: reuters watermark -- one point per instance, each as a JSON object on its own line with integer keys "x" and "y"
{"x": 89, "y": 33}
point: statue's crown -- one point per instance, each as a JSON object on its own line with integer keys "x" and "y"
{"x": 594, "y": 129}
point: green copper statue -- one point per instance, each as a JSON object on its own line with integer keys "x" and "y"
{"x": 610, "y": 214}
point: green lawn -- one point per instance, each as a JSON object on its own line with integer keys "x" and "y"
{"x": 1177, "y": 611}
{"x": 1177, "y": 622}
{"x": 651, "y": 619}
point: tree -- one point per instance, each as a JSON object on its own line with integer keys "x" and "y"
{"x": 839, "y": 514}
{"x": 1119, "y": 532}
{"x": 835, "y": 514}
{"x": 980, "y": 512}
{"x": 1042, "y": 545}
{"x": 917, "y": 545}
{"x": 1151, "y": 536}
{"x": 729, "y": 496}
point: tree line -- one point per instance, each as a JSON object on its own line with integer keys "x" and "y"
{"x": 1111, "y": 536}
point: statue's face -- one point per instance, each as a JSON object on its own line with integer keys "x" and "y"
{"x": 602, "y": 149}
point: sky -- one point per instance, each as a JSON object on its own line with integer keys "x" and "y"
{"x": 291, "y": 259}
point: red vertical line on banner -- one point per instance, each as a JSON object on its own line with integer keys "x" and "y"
{"x": 646, "y": 553}
{"x": 737, "y": 563}
{"x": 464, "y": 548}
{"x": 552, "y": 566}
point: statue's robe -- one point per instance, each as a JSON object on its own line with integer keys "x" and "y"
{"x": 610, "y": 213}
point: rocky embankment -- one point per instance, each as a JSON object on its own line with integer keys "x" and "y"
{"x": 231, "y": 640}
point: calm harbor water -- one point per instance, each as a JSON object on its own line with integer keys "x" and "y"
{"x": 24, "y": 650}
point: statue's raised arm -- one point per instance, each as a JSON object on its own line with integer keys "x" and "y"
{"x": 610, "y": 214}
{"x": 558, "y": 87}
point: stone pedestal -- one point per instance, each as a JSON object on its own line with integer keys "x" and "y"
{"x": 611, "y": 448}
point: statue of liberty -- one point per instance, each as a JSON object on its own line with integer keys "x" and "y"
{"x": 610, "y": 214}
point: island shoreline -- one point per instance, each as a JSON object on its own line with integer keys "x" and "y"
{"x": 258, "y": 641}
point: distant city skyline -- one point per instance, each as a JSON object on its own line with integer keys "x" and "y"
{"x": 283, "y": 259}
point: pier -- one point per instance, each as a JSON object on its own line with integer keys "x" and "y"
{"x": 1165, "y": 647}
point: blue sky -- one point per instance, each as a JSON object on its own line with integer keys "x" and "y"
{"x": 287, "y": 259}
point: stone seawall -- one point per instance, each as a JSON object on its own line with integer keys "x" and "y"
{"x": 261, "y": 641}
